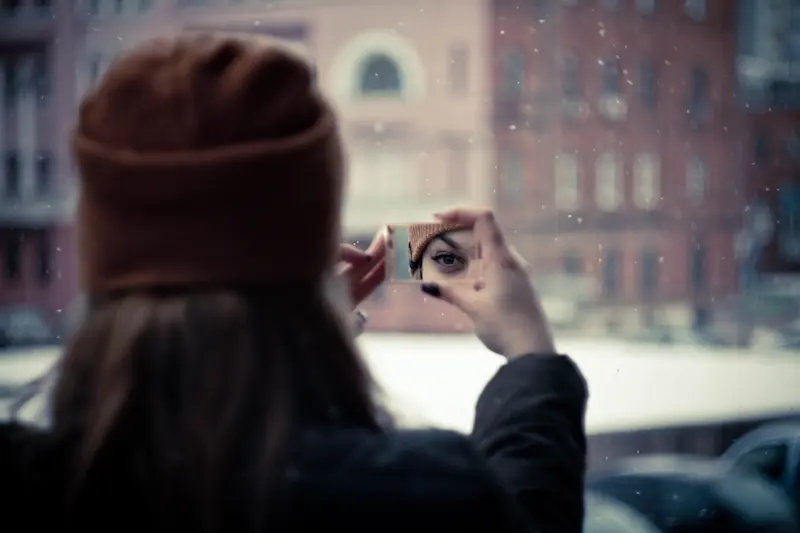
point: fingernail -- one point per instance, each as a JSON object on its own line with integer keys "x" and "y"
{"x": 431, "y": 289}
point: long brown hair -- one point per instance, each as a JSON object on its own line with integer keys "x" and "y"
{"x": 203, "y": 385}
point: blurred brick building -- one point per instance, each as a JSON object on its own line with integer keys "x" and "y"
{"x": 37, "y": 93}
{"x": 412, "y": 92}
{"x": 621, "y": 141}
{"x": 618, "y": 143}
{"x": 768, "y": 66}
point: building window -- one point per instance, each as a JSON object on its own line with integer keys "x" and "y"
{"x": 12, "y": 258}
{"x": 700, "y": 88}
{"x": 45, "y": 259}
{"x": 573, "y": 263}
{"x": 514, "y": 73}
{"x": 650, "y": 263}
{"x": 697, "y": 179}
{"x": 696, "y": 9}
{"x": 512, "y": 176}
{"x": 41, "y": 77}
{"x": 610, "y": 269}
{"x": 789, "y": 222}
{"x": 646, "y": 181}
{"x": 647, "y": 7}
{"x": 457, "y": 167}
{"x": 647, "y": 84}
{"x": 382, "y": 172}
{"x": 380, "y": 76}
{"x": 119, "y": 7}
{"x": 459, "y": 69}
{"x": 793, "y": 145}
{"x": 610, "y": 5}
{"x": 571, "y": 77}
{"x": 608, "y": 182}
{"x": 93, "y": 7}
{"x": 11, "y": 81}
{"x": 567, "y": 185}
{"x": 697, "y": 266}
{"x": 44, "y": 174}
{"x": 9, "y": 8}
{"x": 95, "y": 67}
{"x": 609, "y": 68}
{"x": 11, "y": 181}
{"x": 761, "y": 148}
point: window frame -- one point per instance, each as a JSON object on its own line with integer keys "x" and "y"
{"x": 785, "y": 444}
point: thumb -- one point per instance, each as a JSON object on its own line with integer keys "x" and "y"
{"x": 358, "y": 321}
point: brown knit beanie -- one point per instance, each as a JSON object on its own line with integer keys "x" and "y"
{"x": 421, "y": 235}
{"x": 206, "y": 160}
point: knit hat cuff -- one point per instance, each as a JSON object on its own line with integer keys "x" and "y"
{"x": 421, "y": 235}
{"x": 216, "y": 216}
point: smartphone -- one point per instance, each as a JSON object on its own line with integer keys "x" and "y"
{"x": 431, "y": 252}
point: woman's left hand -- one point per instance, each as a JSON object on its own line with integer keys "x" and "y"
{"x": 363, "y": 271}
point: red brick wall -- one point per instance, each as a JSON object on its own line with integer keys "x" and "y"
{"x": 675, "y": 43}
{"x": 52, "y": 295}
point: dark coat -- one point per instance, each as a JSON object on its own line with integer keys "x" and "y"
{"x": 521, "y": 470}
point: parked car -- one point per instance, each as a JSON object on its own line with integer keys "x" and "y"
{"x": 25, "y": 326}
{"x": 30, "y": 403}
{"x": 772, "y": 450}
{"x": 680, "y": 494}
{"x": 606, "y": 515}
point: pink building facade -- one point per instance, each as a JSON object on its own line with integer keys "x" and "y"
{"x": 410, "y": 82}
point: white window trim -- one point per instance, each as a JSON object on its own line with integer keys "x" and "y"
{"x": 567, "y": 169}
{"x": 697, "y": 195}
{"x": 608, "y": 202}
{"x": 344, "y": 76}
{"x": 643, "y": 198}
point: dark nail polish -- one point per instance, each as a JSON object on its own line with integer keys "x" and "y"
{"x": 431, "y": 289}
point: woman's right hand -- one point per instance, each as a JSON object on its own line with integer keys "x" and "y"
{"x": 502, "y": 303}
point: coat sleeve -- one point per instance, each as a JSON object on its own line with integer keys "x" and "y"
{"x": 529, "y": 423}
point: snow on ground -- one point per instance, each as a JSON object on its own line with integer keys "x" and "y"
{"x": 435, "y": 380}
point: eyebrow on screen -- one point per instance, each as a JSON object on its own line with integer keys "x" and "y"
{"x": 450, "y": 242}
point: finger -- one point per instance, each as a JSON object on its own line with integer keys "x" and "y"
{"x": 351, "y": 254}
{"x": 364, "y": 287}
{"x": 378, "y": 244}
{"x": 357, "y": 263}
{"x": 356, "y": 272}
{"x": 486, "y": 231}
{"x": 358, "y": 320}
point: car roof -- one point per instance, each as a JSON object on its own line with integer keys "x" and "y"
{"x": 747, "y": 495}
{"x": 669, "y": 465}
{"x": 783, "y": 430}
{"x": 604, "y": 514}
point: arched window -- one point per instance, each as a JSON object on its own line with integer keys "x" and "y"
{"x": 380, "y": 76}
